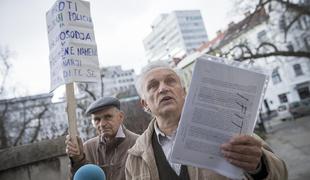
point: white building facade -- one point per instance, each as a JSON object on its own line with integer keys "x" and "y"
{"x": 115, "y": 80}
{"x": 289, "y": 76}
{"x": 175, "y": 35}
{"x": 289, "y": 81}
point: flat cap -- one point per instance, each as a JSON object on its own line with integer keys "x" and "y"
{"x": 102, "y": 103}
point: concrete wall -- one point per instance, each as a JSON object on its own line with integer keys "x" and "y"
{"x": 45, "y": 160}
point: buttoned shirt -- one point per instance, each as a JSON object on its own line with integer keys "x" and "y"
{"x": 166, "y": 143}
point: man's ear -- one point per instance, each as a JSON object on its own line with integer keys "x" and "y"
{"x": 93, "y": 121}
{"x": 184, "y": 91}
{"x": 122, "y": 115}
{"x": 144, "y": 104}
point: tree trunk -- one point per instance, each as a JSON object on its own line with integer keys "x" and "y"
{"x": 3, "y": 138}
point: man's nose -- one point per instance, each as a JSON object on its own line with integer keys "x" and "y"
{"x": 102, "y": 122}
{"x": 163, "y": 88}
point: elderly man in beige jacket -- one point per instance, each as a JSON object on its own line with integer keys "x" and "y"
{"x": 107, "y": 150}
{"x": 163, "y": 95}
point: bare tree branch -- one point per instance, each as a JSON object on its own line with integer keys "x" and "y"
{"x": 38, "y": 127}
{"x": 31, "y": 114}
{"x": 287, "y": 28}
{"x": 242, "y": 47}
{"x": 303, "y": 8}
{"x": 300, "y": 9}
{"x": 278, "y": 53}
{"x": 247, "y": 54}
{"x": 3, "y": 137}
{"x": 266, "y": 44}
{"x": 5, "y": 67}
{"x": 243, "y": 51}
{"x": 84, "y": 87}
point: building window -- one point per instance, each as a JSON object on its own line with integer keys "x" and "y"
{"x": 299, "y": 24}
{"x": 283, "y": 98}
{"x": 303, "y": 92}
{"x": 275, "y": 76}
{"x": 298, "y": 70}
{"x": 270, "y": 7}
{"x": 282, "y": 22}
{"x": 290, "y": 47}
{"x": 307, "y": 42}
{"x": 262, "y": 36}
{"x": 306, "y": 22}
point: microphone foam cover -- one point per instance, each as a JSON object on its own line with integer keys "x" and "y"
{"x": 89, "y": 172}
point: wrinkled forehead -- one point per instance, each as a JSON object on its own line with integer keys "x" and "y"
{"x": 159, "y": 73}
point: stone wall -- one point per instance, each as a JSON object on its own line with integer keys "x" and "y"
{"x": 45, "y": 160}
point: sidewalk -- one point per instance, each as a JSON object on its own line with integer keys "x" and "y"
{"x": 291, "y": 141}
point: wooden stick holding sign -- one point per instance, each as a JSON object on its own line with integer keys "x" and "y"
{"x": 71, "y": 112}
{"x": 73, "y": 51}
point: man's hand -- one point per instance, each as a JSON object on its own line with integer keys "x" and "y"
{"x": 74, "y": 151}
{"x": 243, "y": 151}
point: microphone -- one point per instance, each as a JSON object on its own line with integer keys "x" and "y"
{"x": 89, "y": 172}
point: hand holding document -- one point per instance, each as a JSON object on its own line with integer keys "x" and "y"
{"x": 222, "y": 101}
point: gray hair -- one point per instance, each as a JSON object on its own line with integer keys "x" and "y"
{"x": 151, "y": 66}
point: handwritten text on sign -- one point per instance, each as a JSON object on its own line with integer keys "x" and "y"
{"x": 73, "y": 51}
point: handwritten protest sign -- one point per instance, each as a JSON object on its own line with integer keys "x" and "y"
{"x": 73, "y": 51}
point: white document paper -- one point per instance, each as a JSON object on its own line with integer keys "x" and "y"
{"x": 223, "y": 100}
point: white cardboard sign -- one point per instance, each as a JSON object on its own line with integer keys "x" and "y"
{"x": 73, "y": 51}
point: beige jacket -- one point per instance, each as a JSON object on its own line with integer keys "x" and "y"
{"x": 141, "y": 163}
{"x": 111, "y": 161}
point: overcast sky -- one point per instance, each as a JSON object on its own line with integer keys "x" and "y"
{"x": 119, "y": 25}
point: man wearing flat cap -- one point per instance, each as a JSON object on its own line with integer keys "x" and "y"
{"x": 107, "y": 150}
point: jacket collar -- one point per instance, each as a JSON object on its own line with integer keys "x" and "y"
{"x": 119, "y": 137}
{"x": 143, "y": 148}
{"x": 143, "y": 143}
